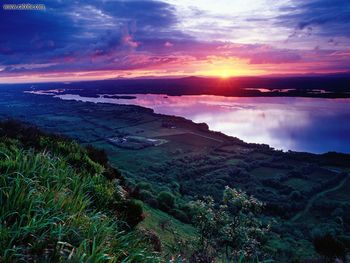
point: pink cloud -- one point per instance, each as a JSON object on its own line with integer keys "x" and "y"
{"x": 168, "y": 44}
{"x": 128, "y": 41}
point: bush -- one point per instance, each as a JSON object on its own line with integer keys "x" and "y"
{"x": 166, "y": 200}
{"x": 133, "y": 213}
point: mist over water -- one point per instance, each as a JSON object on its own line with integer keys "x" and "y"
{"x": 287, "y": 123}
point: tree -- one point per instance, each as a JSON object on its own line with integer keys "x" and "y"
{"x": 244, "y": 233}
{"x": 207, "y": 219}
{"x": 232, "y": 228}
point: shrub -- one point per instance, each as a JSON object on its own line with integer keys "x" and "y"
{"x": 166, "y": 200}
{"x": 133, "y": 212}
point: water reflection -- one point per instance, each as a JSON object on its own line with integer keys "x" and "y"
{"x": 299, "y": 124}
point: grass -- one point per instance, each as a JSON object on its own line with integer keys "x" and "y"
{"x": 175, "y": 235}
{"x": 59, "y": 207}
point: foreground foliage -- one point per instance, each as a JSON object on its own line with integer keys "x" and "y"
{"x": 231, "y": 229}
{"x": 57, "y": 204}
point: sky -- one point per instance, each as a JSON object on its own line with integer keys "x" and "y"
{"x": 85, "y": 39}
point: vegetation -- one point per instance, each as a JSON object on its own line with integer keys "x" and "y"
{"x": 58, "y": 205}
{"x": 61, "y": 202}
{"x": 305, "y": 195}
{"x": 232, "y": 229}
{"x": 177, "y": 239}
{"x": 166, "y": 200}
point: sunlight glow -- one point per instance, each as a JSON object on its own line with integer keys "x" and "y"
{"x": 226, "y": 67}
{"x": 225, "y": 74}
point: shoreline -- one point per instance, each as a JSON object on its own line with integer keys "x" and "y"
{"x": 142, "y": 97}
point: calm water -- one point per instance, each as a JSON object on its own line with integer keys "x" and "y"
{"x": 299, "y": 124}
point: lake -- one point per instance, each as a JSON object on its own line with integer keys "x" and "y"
{"x": 286, "y": 123}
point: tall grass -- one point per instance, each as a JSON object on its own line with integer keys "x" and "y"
{"x": 55, "y": 207}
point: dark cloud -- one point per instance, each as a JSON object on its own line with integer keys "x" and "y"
{"x": 77, "y": 33}
{"x": 31, "y": 32}
{"x": 330, "y": 17}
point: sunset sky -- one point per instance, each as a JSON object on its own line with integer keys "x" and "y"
{"x": 85, "y": 39}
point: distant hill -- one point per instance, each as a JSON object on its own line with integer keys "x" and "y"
{"x": 324, "y": 86}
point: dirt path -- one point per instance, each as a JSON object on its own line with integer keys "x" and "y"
{"x": 315, "y": 197}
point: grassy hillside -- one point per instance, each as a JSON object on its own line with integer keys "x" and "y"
{"x": 63, "y": 203}
{"x": 177, "y": 238}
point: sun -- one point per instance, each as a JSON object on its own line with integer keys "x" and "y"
{"x": 224, "y": 74}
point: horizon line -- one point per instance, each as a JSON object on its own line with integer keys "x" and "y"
{"x": 170, "y": 77}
